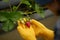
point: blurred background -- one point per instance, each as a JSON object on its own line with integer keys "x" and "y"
{"x": 49, "y": 21}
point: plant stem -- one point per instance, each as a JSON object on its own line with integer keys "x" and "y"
{"x": 18, "y": 6}
{"x": 10, "y": 7}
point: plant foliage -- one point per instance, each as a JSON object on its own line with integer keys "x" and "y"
{"x": 9, "y": 18}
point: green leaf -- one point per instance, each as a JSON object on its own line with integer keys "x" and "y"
{"x": 11, "y": 25}
{"x": 37, "y": 8}
{"x": 8, "y": 26}
{"x": 26, "y": 2}
{"x": 9, "y": 19}
{"x": 22, "y": 1}
{"x": 5, "y": 14}
{"x": 15, "y": 16}
{"x": 2, "y": 18}
{"x": 6, "y": 0}
{"x": 14, "y": 8}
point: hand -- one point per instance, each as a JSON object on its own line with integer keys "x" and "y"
{"x": 41, "y": 30}
{"x": 25, "y": 32}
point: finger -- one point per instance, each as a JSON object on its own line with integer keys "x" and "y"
{"x": 34, "y": 22}
{"x": 20, "y": 30}
{"x": 30, "y": 28}
{"x": 36, "y": 29}
{"x": 20, "y": 27}
{"x": 38, "y": 24}
{"x": 21, "y": 24}
{"x": 18, "y": 23}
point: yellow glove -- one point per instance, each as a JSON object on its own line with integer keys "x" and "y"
{"x": 41, "y": 30}
{"x": 25, "y": 32}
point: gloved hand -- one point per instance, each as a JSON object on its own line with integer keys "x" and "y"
{"x": 25, "y": 32}
{"x": 41, "y": 30}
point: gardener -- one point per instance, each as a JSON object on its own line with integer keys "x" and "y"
{"x": 38, "y": 28}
